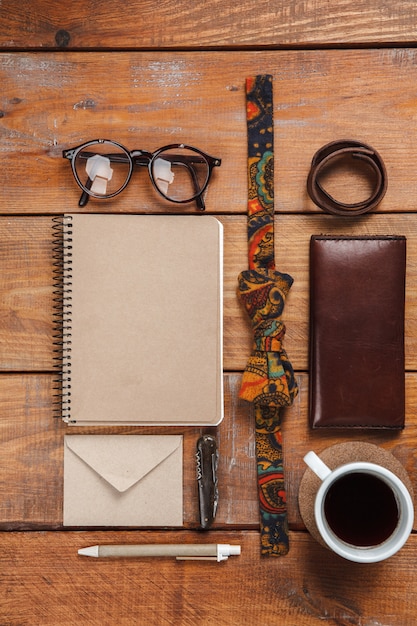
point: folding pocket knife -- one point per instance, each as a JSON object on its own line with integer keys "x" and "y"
{"x": 208, "y": 495}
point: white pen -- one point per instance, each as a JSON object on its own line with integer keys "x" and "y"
{"x": 188, "y": 551}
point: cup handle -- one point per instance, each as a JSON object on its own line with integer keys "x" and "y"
{"x": 316, "y": 465}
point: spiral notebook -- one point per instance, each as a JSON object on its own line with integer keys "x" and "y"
{"x": 139, "y": 319}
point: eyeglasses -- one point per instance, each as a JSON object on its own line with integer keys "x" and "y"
{"x": 103, "y": 168}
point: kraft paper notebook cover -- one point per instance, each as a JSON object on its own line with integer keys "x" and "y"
{"x": 139, "y": 319}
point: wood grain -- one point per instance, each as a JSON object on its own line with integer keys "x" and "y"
{"x": 309, "y": 586}
{"x": 31, "y": 457}
{"x": 168, "y": 24}
{"x": 26, "y": 294}
{"x": 31, "y": 453}
{"x": 148, "y": 74}
{"x": 54, "y": 101}
{"x": 26, "y": 320}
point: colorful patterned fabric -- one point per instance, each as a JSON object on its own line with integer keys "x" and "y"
{"x": 268, "y": 381}
{"x": 260, "y": 172}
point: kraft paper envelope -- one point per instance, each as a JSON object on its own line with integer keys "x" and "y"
{"x": 123, "y": 480}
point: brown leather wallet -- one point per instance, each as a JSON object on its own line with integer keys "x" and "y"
{"x": 357, "y": 302}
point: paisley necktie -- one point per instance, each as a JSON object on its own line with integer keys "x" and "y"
{"x": 268, "y": 380}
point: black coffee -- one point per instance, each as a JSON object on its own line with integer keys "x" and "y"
{"x": 361, "y": 509}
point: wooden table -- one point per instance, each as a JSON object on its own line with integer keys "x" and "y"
{"x": 147, "y": 74}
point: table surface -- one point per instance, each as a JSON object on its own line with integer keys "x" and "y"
{"x": 148, "y": 74}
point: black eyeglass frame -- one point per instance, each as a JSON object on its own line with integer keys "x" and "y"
{"x": 144, "y": 158}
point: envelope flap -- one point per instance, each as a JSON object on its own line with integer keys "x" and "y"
{"x": 123, "y": 460}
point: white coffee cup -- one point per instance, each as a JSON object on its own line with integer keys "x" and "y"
{"x": 363, "y": 511}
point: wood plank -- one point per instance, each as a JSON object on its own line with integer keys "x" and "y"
{"x": 31, "y": 457}
{"x": 91, "y": 71}
{"x": 43, "y": 24}
{"x": 26, "y": 268}
{"x": 44, "y": 581}
{"x": 26, "y": 293}
{"x": 292, "y": 238}
{"x": 31, "y": 453}
{"x": 55, "y": 101}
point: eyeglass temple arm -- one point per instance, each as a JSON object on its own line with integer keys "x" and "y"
{"x": 84, "y": 198}
{"x": 200, "y": 203}
{"x": 188, "y": 161}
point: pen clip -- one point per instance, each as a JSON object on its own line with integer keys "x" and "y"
{"x": 207, "y": 458}
{"x": 199, "y": 558}
{"x": 223, "y": 551}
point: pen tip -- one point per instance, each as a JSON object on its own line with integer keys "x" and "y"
{"x": 90, "y": 551}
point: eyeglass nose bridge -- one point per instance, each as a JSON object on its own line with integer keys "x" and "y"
{"x": 140, "y": 157}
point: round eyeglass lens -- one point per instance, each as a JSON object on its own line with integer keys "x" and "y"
{"x": 103, "y": 169}
{"x": 180, "y": 174}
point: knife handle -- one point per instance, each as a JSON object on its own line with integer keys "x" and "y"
{"x": 207, "y": 458}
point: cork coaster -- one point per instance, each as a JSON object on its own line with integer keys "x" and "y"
{"x": 337, "y": 455}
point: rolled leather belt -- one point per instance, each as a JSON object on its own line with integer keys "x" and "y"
{"x": 357, "y": 150}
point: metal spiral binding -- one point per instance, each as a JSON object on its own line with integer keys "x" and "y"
{"x": 62, "y": 304}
